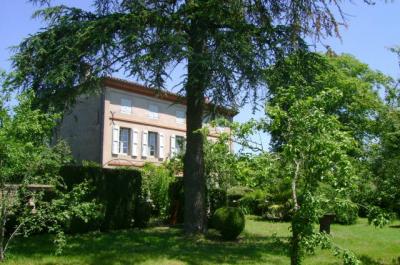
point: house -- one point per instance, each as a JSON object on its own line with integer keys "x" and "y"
{"x": 128, "y": 124}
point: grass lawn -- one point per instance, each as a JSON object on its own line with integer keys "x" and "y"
{"x": 262, "y": 243}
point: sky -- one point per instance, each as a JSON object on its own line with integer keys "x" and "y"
{"x": 372, "y": 29}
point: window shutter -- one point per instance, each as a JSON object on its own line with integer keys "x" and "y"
{"x": 115, "y": 139}
{"x": 173, "y": 149}
{"x": 161, "y": 145}
{"x": 145, "y": 147}
{"x": 135, "y": 142}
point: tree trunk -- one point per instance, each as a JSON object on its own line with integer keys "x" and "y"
{"x": 295, "y": 258}
{"x": 194, "y": 179}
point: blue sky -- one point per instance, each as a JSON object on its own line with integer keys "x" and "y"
{"x": 371, "y": 31}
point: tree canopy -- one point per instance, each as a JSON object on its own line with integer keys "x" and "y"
{"x": 145, "y": 39}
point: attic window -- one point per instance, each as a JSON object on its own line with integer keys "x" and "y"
{"x": 153, "y": 111}
{"x": 126, "y": 106}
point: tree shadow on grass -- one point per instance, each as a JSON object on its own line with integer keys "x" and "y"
{"x": 366, "y": 260}
{"x": 137, "y": 246}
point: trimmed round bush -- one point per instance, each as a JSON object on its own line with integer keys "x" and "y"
{"x": 229, "y": 221}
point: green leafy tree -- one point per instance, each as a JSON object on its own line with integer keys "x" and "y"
{"x": 315, "y": 147}
{"x": 359, "y": 108}
{"x": 224, "y": 46}
{"x": 26, "y": 159}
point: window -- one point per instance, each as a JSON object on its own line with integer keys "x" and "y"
{"x": 153, "y": 111}
{"x": 152, "y": 143}
{"x": 124, "y": 139}
{"x": 126, "y": 106}
{"x": 180, "y": 144}
{"x": 180, "y": 116}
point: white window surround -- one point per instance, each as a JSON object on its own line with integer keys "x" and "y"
{"x": 180, "y": 116}
{"x": 126, "y": 106}
{"x": 153, "y": 111}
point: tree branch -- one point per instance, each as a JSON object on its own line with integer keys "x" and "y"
{"x": 12, "y": 236}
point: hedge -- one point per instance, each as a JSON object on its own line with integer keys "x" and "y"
{"x": 117, "y": 190}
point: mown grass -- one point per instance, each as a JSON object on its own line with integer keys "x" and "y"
{"x": 261, "y": 243}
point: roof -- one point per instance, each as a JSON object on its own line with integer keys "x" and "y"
{"x": 130, "y": 86}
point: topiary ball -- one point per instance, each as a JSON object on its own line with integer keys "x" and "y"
{"x": 229, "y": 221}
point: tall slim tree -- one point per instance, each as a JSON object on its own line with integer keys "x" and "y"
{"x": 224, "y": 45}
{"x": 325, "y": 119}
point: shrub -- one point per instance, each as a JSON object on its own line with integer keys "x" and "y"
{"x": 86, "y": 213}
{"x": 229, "y": 221}
{"x": 279, "y": 212}
{"x": 236, "y": 193}
{"x": 117, "y": 190}
{"x": 156, "y": 182}
{"x": 254, "y": 202}
{"x": 279, "y": 202}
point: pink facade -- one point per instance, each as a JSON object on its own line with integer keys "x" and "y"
{"x": 140, "y": 120}
{"x": 138, "y": 125}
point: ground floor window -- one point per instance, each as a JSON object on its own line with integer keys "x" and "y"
{"x": 153, "y": 143}
{"x": 124, "y": 139}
